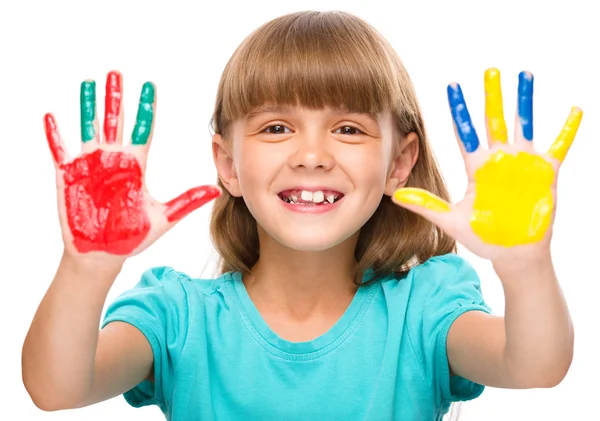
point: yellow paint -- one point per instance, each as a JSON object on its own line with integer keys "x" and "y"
{"x": 563, "y": 142}
{"x": 494, "y": 110}
{"x": 423, "y": 198}
{"x": 513, "y": 199}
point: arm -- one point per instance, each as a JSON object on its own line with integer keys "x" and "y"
{"x": 532, "y": 346}
{"x": 66, "y": 361}
{"x": 506, "y": 217}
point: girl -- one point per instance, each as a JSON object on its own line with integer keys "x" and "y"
{"x": 341, "y": 296}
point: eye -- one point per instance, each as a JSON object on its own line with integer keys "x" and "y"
{"x": 277, "y": 129}
{"x": 350, "y": 130}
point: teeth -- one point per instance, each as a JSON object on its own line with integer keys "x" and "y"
{"x": 314, "y": 197}
{"x": 307, "y": 196}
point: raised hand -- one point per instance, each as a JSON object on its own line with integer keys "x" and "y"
{"x": 511, "y": 195}
{"x": 104, "y": 206}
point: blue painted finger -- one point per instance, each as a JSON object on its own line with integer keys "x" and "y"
{"x": 525, "y": 104}
{"x": 462, "y": 119}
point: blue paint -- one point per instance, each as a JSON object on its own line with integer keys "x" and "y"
{"x": 462, "y": 119}
{"x": 525, "y": 104}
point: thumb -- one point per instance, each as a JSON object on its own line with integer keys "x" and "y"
{"x": 189, "y": 201}
{"x": 423, "y": 203}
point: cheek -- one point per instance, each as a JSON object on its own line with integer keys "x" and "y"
{"x": 254, "y": 168}
{"x": 367, "y": 165}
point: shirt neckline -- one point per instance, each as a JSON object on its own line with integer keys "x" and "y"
{"x": 276, "y": 345}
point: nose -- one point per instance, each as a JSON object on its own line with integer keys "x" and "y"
{"x": 312, "y": 153}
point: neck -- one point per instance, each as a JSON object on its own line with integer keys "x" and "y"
{"x": 302, "y": 284}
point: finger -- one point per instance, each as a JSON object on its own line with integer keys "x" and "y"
{"x": 494, "y": 109}
{"x": 563, "y": 142}
{"x": 113, "y": 110}
{"x": 144, "y": 122}
{"x": 524, "y": 118}
{"x": 55, "y": 142}
{"x": 462, "y": 120}
{"x": 424, "y": 203}
{"x": 89, "y": 120}
{"x": 189, "y": 201}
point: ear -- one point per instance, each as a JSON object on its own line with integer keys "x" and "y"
{"x": 406, "y": 155}
{"x": 225, "y": 166}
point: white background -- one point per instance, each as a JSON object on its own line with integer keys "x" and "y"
{"x": 48, "y": 48}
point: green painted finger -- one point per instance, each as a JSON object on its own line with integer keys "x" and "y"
{"x": 87, "y": 101}
{"x": 143, "y": 122}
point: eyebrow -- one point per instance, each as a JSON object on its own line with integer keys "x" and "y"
{"x": 268, "y": 109}
{"x": 284, "y": 109}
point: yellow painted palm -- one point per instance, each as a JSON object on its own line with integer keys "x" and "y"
{"x": 511, "y": 194}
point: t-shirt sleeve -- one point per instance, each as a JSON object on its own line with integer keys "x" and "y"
{"x": 444, "y": 288}
{"x": 157, "y": 306}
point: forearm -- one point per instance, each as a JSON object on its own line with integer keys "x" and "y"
{"x": 59, "y": 350}
{"x": 539, "y": 332}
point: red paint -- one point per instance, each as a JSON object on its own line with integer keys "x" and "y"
{"x": 105, "y": 203}
{"x": 112, "y": 106}
{"x": 189, "y": 201}
{"x": 53, "y": 137}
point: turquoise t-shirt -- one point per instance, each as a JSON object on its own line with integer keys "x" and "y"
{"x": 215, "y": 358}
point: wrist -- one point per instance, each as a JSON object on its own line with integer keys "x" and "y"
{"x": 525, "y": 261}
{"x": 92, "y": 265}
{"x": 528, "y": 270}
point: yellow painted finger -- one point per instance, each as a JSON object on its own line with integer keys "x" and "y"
{"x": 422, "y": 198}
{"x": 494, "y": 109}
{"x": 563, "y": 142}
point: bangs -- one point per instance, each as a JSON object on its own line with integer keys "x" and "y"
{"x": 314, "y": 60}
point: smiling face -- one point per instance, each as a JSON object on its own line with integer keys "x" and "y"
{"x": 312, "y": 178}
{"x": 320, "y": 62}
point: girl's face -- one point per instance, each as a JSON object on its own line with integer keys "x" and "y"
{"x": 312, "y": 178}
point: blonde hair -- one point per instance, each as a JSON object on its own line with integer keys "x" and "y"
{"x": 315, "y": 60}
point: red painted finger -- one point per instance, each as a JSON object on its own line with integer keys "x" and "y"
{"x": 112, "y": 106}
{"x": 189, "y": 201}
{"x": 54, "y": 141}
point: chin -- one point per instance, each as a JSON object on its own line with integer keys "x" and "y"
{"x": 310, "y": 241}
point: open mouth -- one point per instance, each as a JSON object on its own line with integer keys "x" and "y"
{"x": 310, "y": 198}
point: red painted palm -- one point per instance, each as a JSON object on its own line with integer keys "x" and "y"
{"x": 103, "y": 202}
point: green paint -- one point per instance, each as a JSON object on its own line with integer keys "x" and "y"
{"x": 88, "y": 110}
{"x": 143, "y": 122}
